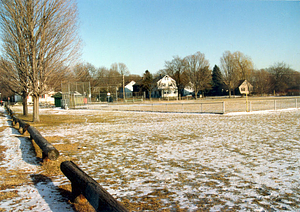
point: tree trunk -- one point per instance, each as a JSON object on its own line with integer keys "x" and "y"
{"x": 25, "y": 106}
{"x": 196, "y": 93}
{"x": 36, "y": 115}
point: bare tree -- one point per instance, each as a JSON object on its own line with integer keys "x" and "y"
{"x": 235, "y": 66}
{"x": 14, "y": 64}
{"x": 262, "y": 82}
{"x": 198, "y": 72}
{"x": 243, "y": 65}
{"x": 281, "y": 77}
{"x": 230, "y": 74}
{"x": 81, "y": 73}
{"x": 123, "y": 70}
{"x": 11, "y": 80}
{"x": 47, "y": 31}
{"x": 175, "y": 69}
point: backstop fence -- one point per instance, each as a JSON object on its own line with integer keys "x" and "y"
{"x": 75, "y": 94}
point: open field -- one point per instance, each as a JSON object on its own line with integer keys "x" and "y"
{"x": 185, "y": 162}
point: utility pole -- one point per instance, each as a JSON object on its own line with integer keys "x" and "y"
{"x": 124, "y": 94}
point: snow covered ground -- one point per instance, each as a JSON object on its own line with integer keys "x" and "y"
{"x": 236, "y": 162}
{"x": 42, "y": 196}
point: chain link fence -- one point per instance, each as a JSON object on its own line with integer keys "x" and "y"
{"x": 76, "y": 94}
{"x": 202, "y": 106}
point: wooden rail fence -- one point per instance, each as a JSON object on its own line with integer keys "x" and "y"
{"x": 82, "y": 184}
{"x": 49, "y": 152}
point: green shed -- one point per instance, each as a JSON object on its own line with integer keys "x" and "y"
{"x": 57, "y": 99}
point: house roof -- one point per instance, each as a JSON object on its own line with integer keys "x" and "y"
{"x": 244, "y": 82}
{"x": 156, "y": 79}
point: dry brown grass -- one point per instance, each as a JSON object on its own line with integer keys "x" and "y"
{"x": 3, "y": 128}
{"x": 10, "y": 180}
{"x": 56, "y": 120}
{"x": 2, "y": 149}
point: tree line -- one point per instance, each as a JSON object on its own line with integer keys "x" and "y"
{"x": 193, "y": 69}
{"x": 234, "y": 68}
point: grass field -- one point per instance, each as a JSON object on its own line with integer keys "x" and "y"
{"x": 184, "y": 162}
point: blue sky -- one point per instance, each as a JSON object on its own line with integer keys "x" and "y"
{"x": 144, "y": 34}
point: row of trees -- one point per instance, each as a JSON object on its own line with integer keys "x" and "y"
{"x": 194, "y": 69}
{"x": 235, "y": 67}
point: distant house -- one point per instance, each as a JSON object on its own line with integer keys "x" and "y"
{"x": 164, "y": 87}
{"x": 44, "y": 99}
{"x": 188, "y": 89}
{"x": 245, "y": 88}
{"x": 128, "y": 89}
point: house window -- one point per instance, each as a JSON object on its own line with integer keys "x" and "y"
{"x": 243, "y": 89}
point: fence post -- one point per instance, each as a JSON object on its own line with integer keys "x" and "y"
{"x": 250, "y": 106}
{"x": 296, "y": 104}
{"x": 274, "y": 104}
{"x": 223, "y": 107}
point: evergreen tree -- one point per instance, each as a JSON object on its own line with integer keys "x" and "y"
{"x": 217, "y": 81}
{"x": 147, "y": 83}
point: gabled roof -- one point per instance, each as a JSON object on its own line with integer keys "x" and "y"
{"x": 244, "y": 83}
{"x": 130, "y": 85}
{"x": 156, "y": 79}
{"x": 166, "y": 82}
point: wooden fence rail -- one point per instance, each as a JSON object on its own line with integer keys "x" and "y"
{"x": 82, "y": 184}
{"x": 23, "y": 127}
{"x": 48, "y": 150}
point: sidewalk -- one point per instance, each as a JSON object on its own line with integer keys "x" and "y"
{"x": 22, "y": 186}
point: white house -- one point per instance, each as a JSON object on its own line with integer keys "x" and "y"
{"x": 188, "y": 89}
{"x": 245, "y": 87}
{"x": 164, "y": 87}
{"x": 44, "y": 99}
{"x": 129, "y": 89}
